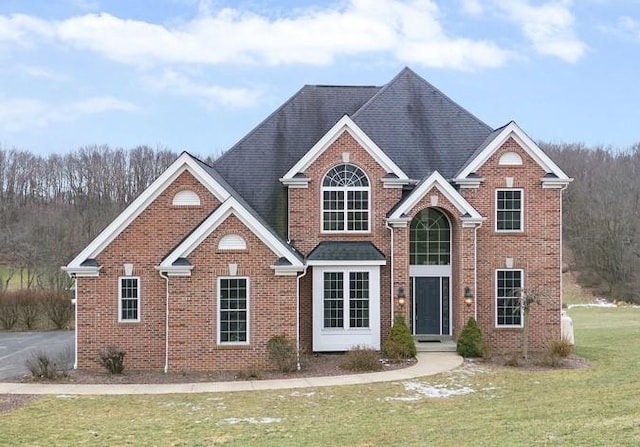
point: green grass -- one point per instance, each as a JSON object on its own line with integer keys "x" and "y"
{"x": 509, "y": 407}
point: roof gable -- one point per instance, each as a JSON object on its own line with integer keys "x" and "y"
{"x": 497, "y": 139}
{"x": 230, "y": 207}
{"x": 435, "y": 180}
{"x": 345, "y": 124}
{"x": 185, "y": 162}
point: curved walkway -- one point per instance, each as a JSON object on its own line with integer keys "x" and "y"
{"x": 429, "y": 363}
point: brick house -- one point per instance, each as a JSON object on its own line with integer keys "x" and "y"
{"x": 345, "y": 206}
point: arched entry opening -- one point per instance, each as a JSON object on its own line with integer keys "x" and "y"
{"x": 430, "y": 273}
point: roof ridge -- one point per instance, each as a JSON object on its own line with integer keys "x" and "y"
{"x": 379, "y": 92}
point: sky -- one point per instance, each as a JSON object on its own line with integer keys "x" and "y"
{"x": 199, "y": 75}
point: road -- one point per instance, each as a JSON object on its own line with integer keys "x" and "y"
{"x": 17, "y": 347}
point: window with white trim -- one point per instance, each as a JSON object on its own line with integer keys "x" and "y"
{"x": 345, "y": 200}
{"x": 509, "y": 210}
{"x": 508, "y": 289}
{"x": 340, "y": 294}
{"x": 233, "y": 310}
{"x": 129, "y": 299}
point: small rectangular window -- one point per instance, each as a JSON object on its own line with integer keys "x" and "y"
{"x": 359, "y": 299}
{"x": 508, "y": 289}
{"x": 233, "y": 310}
{"x": 333, "y": 300}
{"x": 129, "y": 299}
{"x": 509, "y": 210}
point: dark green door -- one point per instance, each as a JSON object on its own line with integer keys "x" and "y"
{"x": 427, "y": 305}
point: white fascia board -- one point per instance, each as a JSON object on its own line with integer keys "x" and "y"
{"x": 229, "y": 207}
{"x": 530, "y": 147}
{"x": 553, "y": 183}
{"x": 287, "y": 270}
{"x": 438, "y": 181}
{"x": 346, "y": 263}
{"x": 183, "y": 163}
{"x": 473, "y": 182}
{"x": 82, "y": 272}
{"x": 345, "y": 124}
{"x": 175, "y": 270}
{"x": 295, "y": 182}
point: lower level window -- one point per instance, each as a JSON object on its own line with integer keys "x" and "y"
{"x": 346, "y": 290}
{"x": 233, "y": 300}
{"x": 129, "y": 299}
{"x": 508, "y": 288}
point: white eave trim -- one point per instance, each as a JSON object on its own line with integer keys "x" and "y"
{"x": 229, "y": 207}
{"x": 295, "y": 182}
{"x": 346, "y": 263}
{"x": 472, "y": 221}
{"x": 514, "y": 131}
{"x": 468, "y": 183}
{"x": 398, "y": 222}
{"x": 344, "y": 124}
{"x": 554, "y": 183}
{"x": 175, "y": 270}
{"x": 393, "y": 182}
{"x": 435, "y": 180}
{"x": 287, "y": 270}
{"x": 183, "y": 163}
{"x": 83, "y": 272}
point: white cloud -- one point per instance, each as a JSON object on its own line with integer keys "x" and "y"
{"x": 472, "y": 7}
{"x": 409, "y": 30}
{"x": 18, "y": 114}
{"x": 630, "y": 28}
{"x": 549, "y": 27}
{"x": 211, "y": 95}
{"x": 35, "y": 71}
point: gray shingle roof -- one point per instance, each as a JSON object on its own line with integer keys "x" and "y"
{"x": 345, "y": 251}
{"x": 415, "y": 124}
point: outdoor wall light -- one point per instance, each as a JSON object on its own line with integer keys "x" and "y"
{"x": 401, "y": 297}
{"x": 468, "y": 296}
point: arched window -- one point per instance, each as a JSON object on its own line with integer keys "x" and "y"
{"x": 430, "y": 238}
{"x": 510, "y": 159}
{"x": 232, "y": 242}
{"x": 345, "y": 199}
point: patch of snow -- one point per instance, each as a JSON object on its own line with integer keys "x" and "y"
{"x": 299, "y": 394}
{"x": 65, "y": 396}
{"x": 422, "y": 390}
{"x": 233, "y": 421}
{"x": 596, "y": 304}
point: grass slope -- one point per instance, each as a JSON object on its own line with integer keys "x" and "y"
{"x": 508, "y": 407}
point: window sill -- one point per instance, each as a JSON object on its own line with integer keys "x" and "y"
{"x": 232, "y": 346}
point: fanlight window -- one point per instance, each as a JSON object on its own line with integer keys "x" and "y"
{"x": 430, "y": 238}
{"x": 186, "y": 198}
{"x": 510, "y": 159}
{"x": 232, "y": 242}
{"x": 345, "y": 199}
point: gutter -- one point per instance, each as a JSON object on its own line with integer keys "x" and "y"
{"x": 75, "y": 311}
{"x": 386, "y": 224}
{"x": 475, "y": 270}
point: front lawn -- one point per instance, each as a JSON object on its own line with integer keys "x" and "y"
{"x": 485, "y": 406}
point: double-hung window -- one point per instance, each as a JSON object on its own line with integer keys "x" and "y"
{"x": 508, "y": 290}
{"x": 233, "y": 310}
{"x": 346, "y": 300}
{"x": 509, "y": 210}
{"x": 345, "y": 200}
{"x": 129, "y": 299}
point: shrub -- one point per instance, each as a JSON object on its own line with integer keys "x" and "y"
{"x": 251, "y": 373}
{"x": 282, "y": 353}
{"x": 8, "y": 312}
{"x": 400, "y": 343}
{"x": 41, "y": 366}
{"x": 361, "y": 358}
{"x": 112, "y": 358}
{"x": 59, "y": 310}
{"x": 29, "y": 310}
{"x": 513, "y": 361}
{"x": 560, "y": 347}
{"x": 470, "y": 342}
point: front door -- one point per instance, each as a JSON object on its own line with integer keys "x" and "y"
{"x": 431, "y": 305}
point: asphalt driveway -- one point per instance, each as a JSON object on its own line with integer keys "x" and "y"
{"x": 17, "y": 347}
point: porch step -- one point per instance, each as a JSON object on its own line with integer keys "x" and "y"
{"x": 436, "y": 346}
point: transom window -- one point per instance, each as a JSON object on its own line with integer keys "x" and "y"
{"x": 233, "y": 310}
{"x": 129, "y": 299}
{"x": 509, "y": 210}
{"x": 430, "y": 238}
{"x": 336, "y": 293}
{"x": 345, "y": 199}
{"x": 508, "y": 289}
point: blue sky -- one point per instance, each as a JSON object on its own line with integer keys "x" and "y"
{"x": 198, "y": 75}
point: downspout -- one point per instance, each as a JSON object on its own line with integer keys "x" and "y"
{"x": 75, "y": 311}
{"x": 298, "y": 277}
{"x": 166, "y": 324}
{"x": 386, "y": 224}
{"x": 475, "y": 270}
{"x": 561, "y": 245}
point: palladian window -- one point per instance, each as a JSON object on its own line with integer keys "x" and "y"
{"x": 430, "y": 238}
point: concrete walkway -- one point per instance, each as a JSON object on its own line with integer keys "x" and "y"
{"x": 429, "y": 363}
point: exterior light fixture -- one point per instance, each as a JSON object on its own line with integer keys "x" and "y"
{"x": 468, "y": 296}
{"x": 401, "y": 297}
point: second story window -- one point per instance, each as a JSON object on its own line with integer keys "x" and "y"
{"x": 509, "y": 210}
{"x": 345, "y": 200}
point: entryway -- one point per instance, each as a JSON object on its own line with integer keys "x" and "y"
{"x": 431, "y": 307}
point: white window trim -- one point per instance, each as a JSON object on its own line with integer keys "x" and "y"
{"x": 503, "y": 326}
{"x": 495, "y": 213}
{"x": 346, "y": 300}
{"x": 218, "y": 310}
{"x": 139, "y": 299}
{"x": 345, "y": 210}
{"x": 342, "y": 339}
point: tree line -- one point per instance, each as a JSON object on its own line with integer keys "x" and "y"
{"x": 52, "y": 206}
